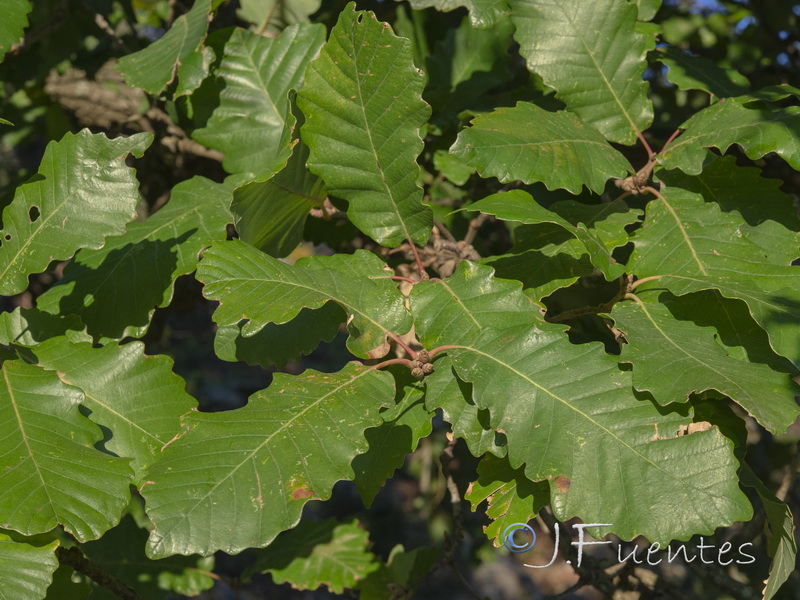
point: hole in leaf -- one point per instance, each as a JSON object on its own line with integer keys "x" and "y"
{"x": 8, "y": 237}
{"x": 34, "y": 214}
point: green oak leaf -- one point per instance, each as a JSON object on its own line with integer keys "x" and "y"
{"x": 271, "y": 214}
{"x": 135, "y": 396}
{"x": 484, "y": 14}
{"x": 404, "y": 424}
{"x": 445, "y": 391}
{"x": 50, "y": 471}
{"x": 454, "y": 310}
{"x": 253, "y": 123}
{"x": 26, "y": 570}
{"x": 693, "y": 245}
{"x": 557, "y": 264}
{"x": 530, "y": 144}
{"x": 254, "y": 286}
{"x": 109, "y": 289}
{"x": 659, "y": 346}
{"x": 757, "y": 130}
{"x": 736, "y": 331}
{"x": 690, "y": 72}
{"x": 14, "y": 22}
{"x": 83, "y": 193}
{"x": 277, "y": 345}
{"x": 781, "y": 545}
{"x": 592, "y": 55}
{"x": 272, "y": 16}
{"x": 511, "y": 497}
{"x": 121, "y": 551}
{"x": 247, "y": 473}
{"x": 647, "y": 9}
{"x": 29, "y": 326}
{"x": 155, "y": 67}
{"x": 738, "y": 189}
{"x": 362, "y": 101}
{"x": 570, "y": 416}
{"x": 518, "y": 205}
{"x": 320, "y": 553}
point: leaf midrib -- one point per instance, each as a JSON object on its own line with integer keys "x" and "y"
{"x": 353, "y": 378}
{"x": 566, "y": 403}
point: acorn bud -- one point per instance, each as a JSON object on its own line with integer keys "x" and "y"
{"x": 427, "y": 368}
{"x": 417, "y": 372}
{"x": 423, "y": 356}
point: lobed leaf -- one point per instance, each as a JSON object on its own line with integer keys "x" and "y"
{"x": 155, "y": 67}
{"x": 54, "y": 474}
{"x": 445, "y": 391}
{"x": 253, "y": 123}
{"x": 738, "y": 189}
{"x": 404, "y": 424}
{"x": 319, "y": 553}
{"x": 136, "y": 397}
{"x": 245, "y": 474}
{"x": 692, "y": 245}
{"x": 529, "y": 144}
{"x": 659, "y": 346}
{"x": 83, "y": 193}
{"x": 781, "y": 545}
{"x": 26, "y": 569}
{"x": 483, "y": 14}
{"x": 571, "y": 418}
{"x": 254, "y": 286}
{"x": 690, "y": 72}
{"x": 454, "y": 310}
{"x": 115, "y": 290}
{"x": 518, "y": 205}
{"x": 758, "y": 131}
{"x": 364, "y": 110}
{"x": 277, "y": 345}
{"x": 14, "y": 22}
{"x": 510, "y": 496}
{"x": 276, "y": 14}
{"x": 271, "y": 214}
{"x": 592, "y": 55}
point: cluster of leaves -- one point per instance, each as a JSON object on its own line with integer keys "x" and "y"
{"x": 643, "y": 291}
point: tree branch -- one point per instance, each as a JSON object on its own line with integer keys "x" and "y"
{"x": 73, "y": 557}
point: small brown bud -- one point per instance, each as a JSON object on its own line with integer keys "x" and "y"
{"x": 415, "y": 364}
{"x": 423, "y": 356}
{"x": 427, "y": 368}
{"x": 417, "y": 372}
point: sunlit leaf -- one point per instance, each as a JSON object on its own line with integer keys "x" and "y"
{"x": 26, "y": 570}
{"x": 314, "y": 554}
{"x": 362, "y": 100}
{"x": 659, "y": 346}
{"x": 83, "y": 193}
{"x": 247, "y": 473}
{"x": 110, "y": 290}
{"x": 758, "y": 131}
{"x": 58, "y": 475}
{"x": 254, "y": 286}
{"x": 252, "y": 124}
{"x": 590, "y": 53}
{"x": 529, "y": 144}
{"x": 136, "y": 397}
{"x": 570, "y": 417}
{"x": 155, "y": 67}
{"x": 484, "y": 14}
{"x": 510, "y": 496}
